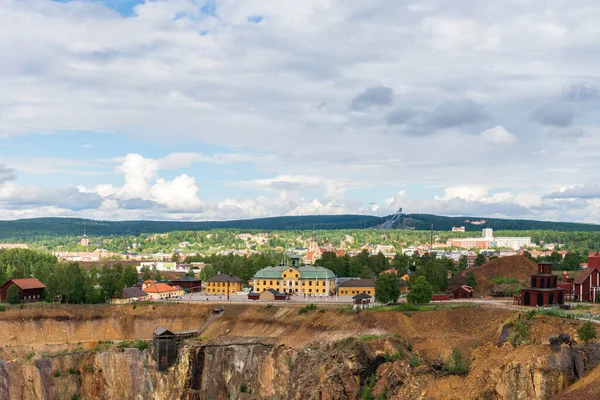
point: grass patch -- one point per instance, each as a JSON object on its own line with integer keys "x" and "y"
{"x": 502, "y": 280}
{"x": 73, "y": 371}
{"x": 269, "y": 306}
{"x": 307, "y": 308}
{"x": 30, "y": 355}
{"x": 243, "y": 388}
{"x": 393, "y": 357}
{"x": 56, "y": 373}
{"x": 289, "y": 362}
{"x": 367, "y": 338}
{"x": 414, "y": 361}
{"x": 137, "y": 344}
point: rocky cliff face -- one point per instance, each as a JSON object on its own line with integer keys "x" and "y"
{"x": 246, "y": 368}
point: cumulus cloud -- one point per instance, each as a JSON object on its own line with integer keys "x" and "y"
{"x": 498, "y": 135}
{"x": 372, "y": 97}
{"x": 554, "y": 113}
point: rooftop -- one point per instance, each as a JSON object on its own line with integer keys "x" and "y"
{"x": 306, "y": 272}
{"x": 224, "y": 278}
{"x": 28, "y": 283}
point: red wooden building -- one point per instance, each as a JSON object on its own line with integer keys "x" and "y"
{"x": 587, "y": 284}
{"x": 462, "y": 292}
{"x": 543, "y": 290}
{"x": 30, "y": 289}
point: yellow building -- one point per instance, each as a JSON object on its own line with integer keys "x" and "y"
{"x": 295, "y": 279}
{"x": 223, "y": 284}
{"x": 353, "y": 287}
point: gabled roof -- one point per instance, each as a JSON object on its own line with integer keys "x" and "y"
{"x": 466, "y": 288}
{"x": 28, "y": 283}
{"x": 159, "y": 288}
{"x": 275, "y": 292}
{"x": 132, "y": 292}
{"x": 305, "y": 272}
{"x": 186, "y": 278}
{"x": 582, "y": 277}
{"x": 163, "y": 332}
{"x": 361, "y": 296}
{"x": 224, "y": 278}
{"x": 354, "y": 283}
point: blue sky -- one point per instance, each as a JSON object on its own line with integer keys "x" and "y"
{"x": 196, "y": 110}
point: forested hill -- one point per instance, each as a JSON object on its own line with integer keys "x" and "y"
{"x": 36, "y": 227}
{"x": 26, "y": 228}
{"x": 440, "y": 223}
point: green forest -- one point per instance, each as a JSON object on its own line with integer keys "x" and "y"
{"x": 27, "y": 229}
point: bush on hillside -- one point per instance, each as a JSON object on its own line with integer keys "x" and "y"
{"x": 587, "y": 331}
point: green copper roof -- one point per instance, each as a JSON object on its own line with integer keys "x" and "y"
{"x": 306, "y": 272}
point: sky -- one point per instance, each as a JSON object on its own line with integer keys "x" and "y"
{"x": 226, "y": 109}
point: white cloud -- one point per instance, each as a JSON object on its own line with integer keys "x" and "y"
{"x": 498, "y": 135}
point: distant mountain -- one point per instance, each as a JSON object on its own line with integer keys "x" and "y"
{"x": 36, "y": 227}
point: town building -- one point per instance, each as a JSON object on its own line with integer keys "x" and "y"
{"x": 543, "y": 290}
{"x": 458, "y": 229}
{"x": 224, "y": 284}
{"x": 587, "y": 285}
{"x": 487, "y": 240}
{"x": 161, "y": 291}
{"x": 462, "y": 292}
{"x": 357, "y": 286}
{"x": 30, "y": 290}
{"x": 131, "y": 295}
{"x": 9, "y": 246}
{"x": 295, "y": 279}
{"x": 268, "y": 295}
{"x": 189, "y": 283}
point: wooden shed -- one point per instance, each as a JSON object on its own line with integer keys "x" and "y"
{"x": 30, "y": 289}
{"x": 462, "y": 292}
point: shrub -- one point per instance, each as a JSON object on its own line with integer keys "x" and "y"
{"x": 2, "y": 308}
{"x": 73, "y": 371}
{"x": 289, "y": 362}
{"x": 456, "y": 364}
{"x": 366, "y": 393}
{"x": 30, "y": 355}
{"x": 500, "y": 280}
{"x": 140, "y": 345}
{"x": 395, "y": 357}
{"x": 269, "y": 306}
{"x": 243, "y": 388}
{"x": 587, "y": 331}
{"x": 307, "y": 308}
{"x": 322, "y": 310}
{"x": 414, "y": 361}
{"x": 56, "y": 373}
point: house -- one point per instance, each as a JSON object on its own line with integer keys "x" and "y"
{"x": 294, "y": 278}
{"x": 587, "y": 284}
{"x": 30, "y": 290}
{"x": 567, "y": 284}
{"x": 543, "y": 290}
{"x": 390, "y": 271}
{"x": 462, "y": 292}
{"x": 357, "y": 286}
{"x": 131, "y": 295}
{"x": 189, "y": 283}
{"x": 160, "y": 291}
{"x": 272, "y": 294}
{"x": 361, "y": 300}
{"x": 224, "y": 284}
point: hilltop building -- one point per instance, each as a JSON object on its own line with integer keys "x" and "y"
{"x": 295, "y": 278}
{"x": 586, "y": 286}
{"x": 487, "y": 240}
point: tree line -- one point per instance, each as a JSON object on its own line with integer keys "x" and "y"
{"x": 67, "y": 283}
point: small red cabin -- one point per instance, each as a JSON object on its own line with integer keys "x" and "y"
{"x": 462, "y": 292}
{"x": 30, "y": 289}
